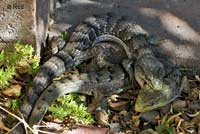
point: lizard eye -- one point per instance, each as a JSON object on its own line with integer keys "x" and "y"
{"x": 157, "y": 84}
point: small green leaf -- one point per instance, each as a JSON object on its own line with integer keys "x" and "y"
{"x": 70, "y": 105}
{"x": 2, "y": 56}
{"x": 65, "y": 35}
{"x": 11, "y": 59}
{"x": 164, "y": 129}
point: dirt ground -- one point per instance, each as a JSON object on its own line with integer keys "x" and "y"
{"x": 175, "y": 21}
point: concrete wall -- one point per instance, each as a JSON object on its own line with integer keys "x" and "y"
{"x": 23, "y": 20}
{"x": 170, "y": 19}
{"x": 177, "y": 22}
{"x": 26, "y": 20}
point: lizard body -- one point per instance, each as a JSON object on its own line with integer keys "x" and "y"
{"x": 105, "y": 81}
{"x": 75, "y": 52}
{"x": 88, "y": 34}
{"x": 160, "y": 88}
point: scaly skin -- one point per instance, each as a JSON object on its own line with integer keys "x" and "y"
{"x": 158, "y": 90}
{"x": 148, "y": 69}
{"x": 74, "y": 53}
{"x": 105, "y": 82}
{"x": 160, "y": 82}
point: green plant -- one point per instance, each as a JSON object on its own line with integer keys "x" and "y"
{"x": 70, "y": 105}
{"x": 13, "y": 104}
{"x": 12, "y": 58}
{"x": 166, "y": 126}
{"x": 65, "y": 35}
{"x": 6, "y": 75}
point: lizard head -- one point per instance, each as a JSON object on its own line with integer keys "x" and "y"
{"x": 151, "y": 72}
{"x": 155, "y": 78}
{"x": 149, "y": 99}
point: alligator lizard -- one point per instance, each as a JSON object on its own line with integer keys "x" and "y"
{"x": 75, "y": 53}
{"x": 161, "y": 82}
{"x": 105, "y": 81}
{"x": 86, "y": 35}
{"x": 159, "y": 85}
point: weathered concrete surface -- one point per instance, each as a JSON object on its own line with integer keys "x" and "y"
{"x": 20, "y": 21}
{"x": 171, "y": 19}
{"x": 176, "y": 21}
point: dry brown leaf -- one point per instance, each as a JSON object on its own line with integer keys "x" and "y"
{"x": 196, "y": 119}
{"x": 135, "y": 120}
{"x": 194, "y": 93}
{"x": 197, "y": 78}
{"x": 115, "y": 105}
{"x": 96, "y": 102}
{"x": 13, "y": 90}
{"x": 14, "y": 82}
{"x": 102, "y": 117}
{"x": 123, "y": 113}
{"x": 115, "y": 118}
{"x": 23, "y": 67}
{"x": 181, "y": 133}
{"x": 2, "y": 126}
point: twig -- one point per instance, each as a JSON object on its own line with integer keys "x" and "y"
{"x": 179, "y": 125}
{"x": 41, "y": 131}
{"x": 36, "y": 127}
{"x": 173, "y": 116}
{"x": 24, "y": 120}
{"x": 13, "y": 128}
{"x": 18, "y": 118}
{"x": 193, "y": 115}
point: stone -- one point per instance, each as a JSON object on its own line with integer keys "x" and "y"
{"x": 179, "y": 105}
{"x": 150, "y": 116}
{"x": 24, "y": 21}
{"x": 195, "y": 105}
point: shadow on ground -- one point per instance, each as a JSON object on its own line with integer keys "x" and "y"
{"x": 176, "y": 21}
